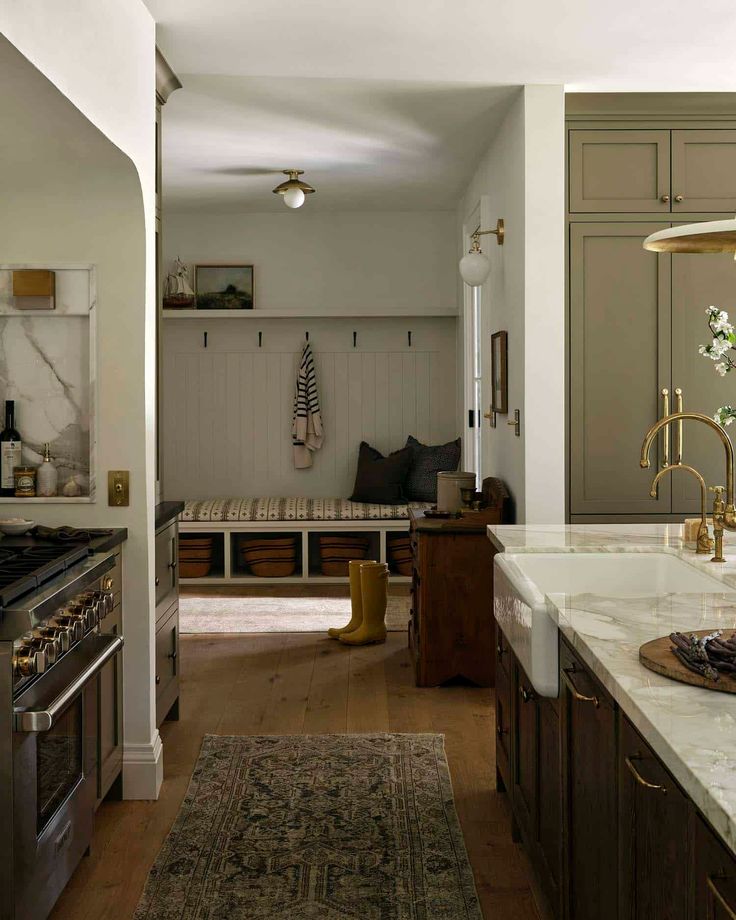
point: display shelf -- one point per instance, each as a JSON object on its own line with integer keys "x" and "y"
{"x": 306, "y": 314}
{"x": 52, "y": 500}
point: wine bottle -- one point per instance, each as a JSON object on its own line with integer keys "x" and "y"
{"x": 10, "y": 450}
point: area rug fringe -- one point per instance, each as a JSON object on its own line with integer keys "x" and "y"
{"x": 315, "y": 827}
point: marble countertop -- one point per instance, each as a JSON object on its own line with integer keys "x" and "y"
{"x": 692, "y": 730}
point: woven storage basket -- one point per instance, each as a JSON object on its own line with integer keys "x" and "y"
{"x": 195, "y": 555}
{"x": 336, "y": 552}
{"x": 400, "y": 555}
{"x": 269, "y": 558}
{"x": 194, "y": 569}
{"x": 195, "y": 542}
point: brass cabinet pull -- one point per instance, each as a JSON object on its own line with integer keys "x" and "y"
{"x": 500, "y": 731}
{"x": 500, "y": 650}
{"x": 526, "y": 695}
{"x": 679, "y": 198}
{"x": 580, "y": 697}
{"x": 678, "y": 428}
{"x": 713, "y": 888}
{"x": 639, "y": 778}
{"x": 664, "y": 198}
{"x": 666, "y": 429}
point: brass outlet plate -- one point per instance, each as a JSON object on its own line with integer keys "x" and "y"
{"x": 118, "y": 488}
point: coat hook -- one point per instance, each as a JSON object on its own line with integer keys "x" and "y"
{"x": 205, "y": 340}
{"x": 408, "y": 335}
{"x": 355, "y": 339}
{"x": 260, "y": 339}
{"x": 307, "y": 336}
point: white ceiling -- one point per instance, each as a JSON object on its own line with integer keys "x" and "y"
{"x": 389, "y": 104}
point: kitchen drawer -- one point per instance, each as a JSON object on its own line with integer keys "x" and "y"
{"x": 167, "y": 663}
{"x": 167, "y": 561}
{"x": 715, "y": 876}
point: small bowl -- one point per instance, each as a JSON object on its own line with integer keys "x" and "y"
{"x": 16, "y": 528}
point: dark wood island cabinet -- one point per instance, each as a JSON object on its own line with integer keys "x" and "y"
{"x": 609, "y": 832}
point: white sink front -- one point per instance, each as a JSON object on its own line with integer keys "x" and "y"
{"x": 522, "y": 582}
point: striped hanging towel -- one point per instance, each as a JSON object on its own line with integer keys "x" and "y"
{"x": 306, "y": 425}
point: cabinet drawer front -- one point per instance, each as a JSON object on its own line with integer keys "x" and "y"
{"x": 619, "y": 171}
{"x": 704, "y": 170}
{"x": 655, "y": 846}
{"x": 525, "y": 760}
{"x": 167, "y": 561}
{"x": 715, "y": 876}
{"x": 167, "y": 663}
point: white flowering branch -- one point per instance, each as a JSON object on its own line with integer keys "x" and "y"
{"x": 724, "y": 340}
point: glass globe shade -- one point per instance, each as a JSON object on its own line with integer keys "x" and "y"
{"x": 474, "y": 268}
{"x": 293, "y": 197}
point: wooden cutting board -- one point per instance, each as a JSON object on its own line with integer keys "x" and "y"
{"x": 656, "y": 656}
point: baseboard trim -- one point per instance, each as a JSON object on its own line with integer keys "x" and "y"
{"x": 143, "y": 769}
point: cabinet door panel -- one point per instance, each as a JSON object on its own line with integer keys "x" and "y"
{"x": 550, "y": 798}
{"x": 612, "y": 171}
{"x": 697, "y": 282}
{"x": 654, "y": 834}
{"x": 503, "y": 725}
{"x": 715, "y": 876}
{"x": 525, "y": 750}
{"x": 619, "y": 362}
{"x": 704, "y": 170}
{"x": 589, "y": 792}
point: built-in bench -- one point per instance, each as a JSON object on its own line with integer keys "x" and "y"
{"x": 228, "y": 519}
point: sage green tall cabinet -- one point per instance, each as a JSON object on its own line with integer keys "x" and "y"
{"x": 638, "y": 163}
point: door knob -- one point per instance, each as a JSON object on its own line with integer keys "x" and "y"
{"x": 679, "y": 198}
{"x": 664, "y": 199}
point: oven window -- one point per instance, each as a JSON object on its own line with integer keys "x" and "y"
{"x": 59, "y": 767}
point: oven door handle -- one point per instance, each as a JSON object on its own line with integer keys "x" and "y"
{"x": 41, "y": 720}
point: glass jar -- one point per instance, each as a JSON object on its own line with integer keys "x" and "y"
{"x": 24, "y": 478}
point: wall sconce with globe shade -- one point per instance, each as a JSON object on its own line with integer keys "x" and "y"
{"x": 475, "y": 267}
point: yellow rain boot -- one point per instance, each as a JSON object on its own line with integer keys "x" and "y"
{"x": 356, "y": 600}
{"x": 374, "y": 589}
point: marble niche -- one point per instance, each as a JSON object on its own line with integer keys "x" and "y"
{"x": 47, "y": 367}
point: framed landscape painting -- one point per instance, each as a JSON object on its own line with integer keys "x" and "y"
{"x": 224, "y": 287}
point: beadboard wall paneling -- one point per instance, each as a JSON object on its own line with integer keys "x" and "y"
{"x": 227, "y": 407}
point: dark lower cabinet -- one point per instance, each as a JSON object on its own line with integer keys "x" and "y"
{"x": 609, "y": 833}
{"x": 589, "y": 792}
{"x": 714, "y": 876}
{"x": 655, "y": 834}
{"x": 534, "y": 756}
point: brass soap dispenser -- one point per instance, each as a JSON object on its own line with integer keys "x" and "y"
{"x": 47, "y": 478}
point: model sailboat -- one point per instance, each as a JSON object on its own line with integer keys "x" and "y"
{"x": 178, "y": 293}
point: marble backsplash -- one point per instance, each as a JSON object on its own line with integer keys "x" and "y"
{"x": 46, "y": 366}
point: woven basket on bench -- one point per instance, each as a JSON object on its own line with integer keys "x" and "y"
{"x": 269, "y": 557}
{"x": 399, "y": 554}
{"x": 195, "y": 556}
{"x": 336, "y": 552}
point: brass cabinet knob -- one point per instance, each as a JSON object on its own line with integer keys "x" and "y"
{"x": 679, "y": 198}
{"x": 664, "y": 198}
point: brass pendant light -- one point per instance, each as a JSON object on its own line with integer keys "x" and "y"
{"x": 293, "y": 189}
{"x": 708, "y": 236}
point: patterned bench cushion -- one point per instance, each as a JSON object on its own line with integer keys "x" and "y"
{"x": 230, "y": 510}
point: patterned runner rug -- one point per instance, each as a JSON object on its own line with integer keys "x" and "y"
{"x": 315, "y": 827}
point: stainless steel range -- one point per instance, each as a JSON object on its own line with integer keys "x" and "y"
{"x": 53, "y": 604}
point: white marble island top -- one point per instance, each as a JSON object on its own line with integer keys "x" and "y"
{"x": 692, "y": 730}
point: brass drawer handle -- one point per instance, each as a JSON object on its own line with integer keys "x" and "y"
{"x": 526, "y": 695}
{"x": 712, "y": 887}
{"x": 500, "y": 650}
{"x": 666, "y": 429}
{"x": 639, "y": 778}
{"x": 501, "y": 731}
{"x": 577, "y": 695}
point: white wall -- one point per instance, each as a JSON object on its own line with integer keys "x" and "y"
{"x": 100, "y": 54}
{"x": 521, "y": 179}
{"x": 227, "y": 408}
{"x": 334, "y": 261}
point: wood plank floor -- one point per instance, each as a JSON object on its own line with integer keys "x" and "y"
{"x": 305, "y": 683}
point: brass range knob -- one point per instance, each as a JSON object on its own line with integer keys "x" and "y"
{"x": 71, "y": 623}
{"x": 42, "y": 644}
{"x": 61, "y": 635}
{"x": 86, "y": 612}
{"x": 28, "y": 661}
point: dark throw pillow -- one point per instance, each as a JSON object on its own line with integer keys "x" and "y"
{"x": 426, "y": 462}
{"x": 381, "y": 479}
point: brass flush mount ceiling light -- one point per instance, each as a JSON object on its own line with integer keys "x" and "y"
{"x": 293, "y": 190}
{"x": 708, "y": 236}
{"x": 475, "y": 267}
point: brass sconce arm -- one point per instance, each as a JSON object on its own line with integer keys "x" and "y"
{"x": 500, "y": 232}
{"x": 704, "y": 544}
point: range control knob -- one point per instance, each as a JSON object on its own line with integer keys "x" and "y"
{"x": 61, "y": 635}
{"x": 48, "y": 646}
{"x": 28, "y": 661}
{"x": 99, "y": 600}
{"x": 87, "y": 613}
{"x": 74, "y": 626}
